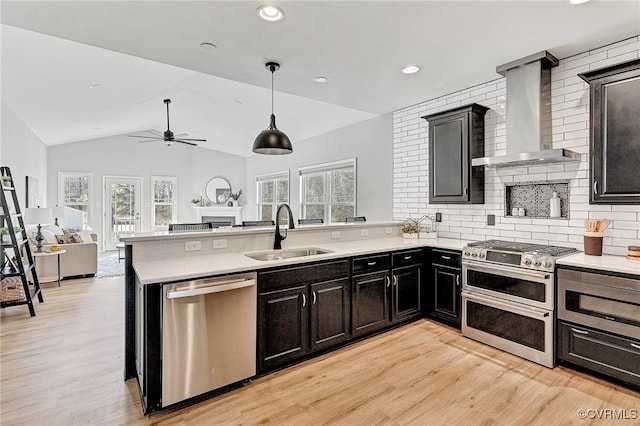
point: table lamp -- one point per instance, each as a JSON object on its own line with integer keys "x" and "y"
{"x": 38, "y": 216}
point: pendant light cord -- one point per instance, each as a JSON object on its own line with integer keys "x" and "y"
{"x": 272, "y": 70}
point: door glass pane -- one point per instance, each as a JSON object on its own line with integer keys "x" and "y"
{"x": 314, "y": 212}
{"x": 122, "y": 208}
{"x": 339, "y": 213}
{"x": 508, "y": 325}
{"x": 507, "y": 285}
{"x": 163, "y": 214}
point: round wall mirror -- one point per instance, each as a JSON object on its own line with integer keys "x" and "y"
{"x": 218, "y": 190}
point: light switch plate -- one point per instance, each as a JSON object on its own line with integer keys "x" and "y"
{"x": 438, "y": 217}
{"x": 491, "y": 219}
{"x": 335, "y": 235}
{"x": 218, "y": 244}
{"x": 388, "y": 231}
{"x": 364, "y": 232}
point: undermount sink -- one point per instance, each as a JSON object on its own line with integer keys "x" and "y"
{"x": 287, "y": 254}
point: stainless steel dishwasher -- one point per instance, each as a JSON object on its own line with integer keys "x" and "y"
{"x": 208, "y": 335}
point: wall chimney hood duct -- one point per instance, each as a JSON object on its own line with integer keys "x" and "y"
{"x": 528, "y": 114}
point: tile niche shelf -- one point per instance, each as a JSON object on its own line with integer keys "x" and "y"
{"x": 534, "y": 198}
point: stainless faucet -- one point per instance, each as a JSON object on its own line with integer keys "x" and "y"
{"x": 279, "y": 238}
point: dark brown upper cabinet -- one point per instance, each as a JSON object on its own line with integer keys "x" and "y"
{"x": 615, "y": 133}
{"x": 455, "y": 137}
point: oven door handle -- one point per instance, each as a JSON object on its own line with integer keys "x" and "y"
{"x": 510, "y": 272}
{"x": 528, "y": 311}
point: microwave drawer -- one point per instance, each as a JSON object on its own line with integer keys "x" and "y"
{"x": 605, "y": 353}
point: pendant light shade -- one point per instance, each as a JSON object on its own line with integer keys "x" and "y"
{"x": 272, "y": 141}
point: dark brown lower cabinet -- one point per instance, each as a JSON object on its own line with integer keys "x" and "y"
{"x": 283, "y": 328}
{"x": 301, "y": 310}
{"x": 606, "y": 353}
{"x": 445, "y": 299}
{"x": 406, "y": 297}
{"x": 370, "y": 299}
{"x": 329, "y": 313}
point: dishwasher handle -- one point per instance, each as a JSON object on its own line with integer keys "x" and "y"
{"x": 212, "y": 288}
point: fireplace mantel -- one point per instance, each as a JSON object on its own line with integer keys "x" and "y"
{"x": 218, "y": 211}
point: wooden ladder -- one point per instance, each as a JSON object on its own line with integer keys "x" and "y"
{"x": 12, "y": 262}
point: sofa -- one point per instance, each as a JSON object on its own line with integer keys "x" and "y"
{"x": 80, "y": 260}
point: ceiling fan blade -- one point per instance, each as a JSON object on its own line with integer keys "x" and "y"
{"x": 194, "y": 140}
{"x": 186, "y": 143}
{"x": 181, "y": 135}
{"x": 152, "y": 140}
{"x": 146, "y": 137}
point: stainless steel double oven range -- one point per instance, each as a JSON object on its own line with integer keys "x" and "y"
{"x": 508, "y": 297}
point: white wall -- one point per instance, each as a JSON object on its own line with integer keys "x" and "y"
{"x": 123, "y": 156}
{"x": 570, "y": 128}
{"x": 25, "y": 153}
{"x": 369, "y": 141}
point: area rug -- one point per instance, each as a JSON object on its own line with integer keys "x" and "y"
{"x": 109, "y": 266}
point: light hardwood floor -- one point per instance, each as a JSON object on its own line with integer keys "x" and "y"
{"x": 64, "y": 367}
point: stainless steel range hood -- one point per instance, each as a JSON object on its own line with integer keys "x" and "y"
{"x": 528, "y": 114}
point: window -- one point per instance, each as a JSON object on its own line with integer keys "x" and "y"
{"x": 328, "y": 191}
{"x": 164, "y": 209}
{"x": 272, "y": 190}
{"x": 74, "y": 191}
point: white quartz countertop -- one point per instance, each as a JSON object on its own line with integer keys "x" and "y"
{"x": 185, "y": 268}
{"x": 602, "y": 263}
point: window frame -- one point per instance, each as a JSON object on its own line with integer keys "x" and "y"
{"x": 326, "y": 169}
{"x": 274, "y": 177}
{"x": 173, "y": 203}
{"x": 63, "y": 203}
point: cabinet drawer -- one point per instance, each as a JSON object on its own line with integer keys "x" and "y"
{"x": 605, "y": 353}
{"x": 446, "y": 257}
{"x": 405, "y": 258}
{"x": 365, "y": 265}
{"x": 301, "y": 275}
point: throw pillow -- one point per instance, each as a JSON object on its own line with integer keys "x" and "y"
{"x": 85, "y": 236}
{"x": 49, "y": 237}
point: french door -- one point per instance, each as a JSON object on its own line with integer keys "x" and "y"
{"x": 122, "y": 204}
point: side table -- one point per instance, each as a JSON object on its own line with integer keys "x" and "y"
{"x": 49, "y": 253}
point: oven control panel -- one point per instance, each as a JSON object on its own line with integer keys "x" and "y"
{"x": 535, "y": 261}
{"x": 538, "y": 262}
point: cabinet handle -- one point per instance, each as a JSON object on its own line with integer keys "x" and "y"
{"x": 595, "y": 187}
{"x": 388, "y": 280}
{"x": 304, "y": 301}
{"x": 313, "y": 293}
{"x": 579, "y": 331}
{"x": 458, "y": 280}
{"x": 445, "y": 257}
{"x": 609, "y": 318}
{"x": 371, "y": 263}
{"x": 635, "y": 346}
{"x": 465, "y": 191}
{"x": 395, "y": 280}
{"x": 407, "y": 258}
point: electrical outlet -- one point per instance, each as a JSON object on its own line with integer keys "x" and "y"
{"x": 364, "y": 232}
{"x": 438, "y": 217}
{"x": 388, "y": 231}
{"x": 192, "y": 245}
{"x": 218, "y": 244}
{"x": 491, "y": 219}
{"x": 335, "y": 235}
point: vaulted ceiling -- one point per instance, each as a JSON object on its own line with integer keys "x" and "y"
{"x": 137, "y": 53}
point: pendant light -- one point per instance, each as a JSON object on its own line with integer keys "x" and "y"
{"x": 272, "y": 141}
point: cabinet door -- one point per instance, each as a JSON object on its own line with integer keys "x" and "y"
{"x": 370, "y": 302}
{"x": 615, "y": 133}
{"x": 283, "y": 326}
{"x": 406, "y": 301}
{"x": 449, "y": 168}
{"x": 329, "y": 304}
{"x": 446, "y": 293}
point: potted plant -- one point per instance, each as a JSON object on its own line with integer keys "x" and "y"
{"x": 234, "y": 197}
{"x": 6, "y": 180}
{"x": 4, "y": 234}
{"x": 409, "y": 229}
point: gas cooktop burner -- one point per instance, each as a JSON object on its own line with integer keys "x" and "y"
{"x": 524, "y": 255}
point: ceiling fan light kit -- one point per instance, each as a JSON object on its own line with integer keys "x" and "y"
{"x": 168, "y": 135}
{"x": 272, "y": 141}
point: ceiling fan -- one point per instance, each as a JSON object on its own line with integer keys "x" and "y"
{"x": 168, "y": 135}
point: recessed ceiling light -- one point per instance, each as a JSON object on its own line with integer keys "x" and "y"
{"x": 578, "y": 1}
{"x": 208, "y": 46}
{"x": 270, "y": 13}
{"x": 94, "y": 86}
{"x": 411, "y": 69}
{"x": 321, "y": 79}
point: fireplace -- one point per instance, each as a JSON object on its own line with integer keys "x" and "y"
{"x": 218, "y": 215}
{"x": 220, "y": 220}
